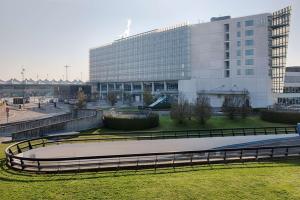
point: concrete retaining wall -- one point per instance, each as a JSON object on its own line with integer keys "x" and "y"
{"x": 87, "y": 119}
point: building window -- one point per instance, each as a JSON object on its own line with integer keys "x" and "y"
{"x": 238, "y": 72}
{"x": 227, "y": 73}
{"x": 249, "y": 52}
{"x": 249, "y": 71}
{"x": 238, "y": 53}
{"x": 227, "y": 37}
{"x": 227, "y": 64}
{"x": 238, "y": 24}
{"x": 227, "y": 55}
{"x": 238, "y": 43}
{"x": 249, "y": 23}
{"x": 226, "y": 27}
{"x": 227, "y": 46}
{"x": 249, "y": 62}
{"x": 238, "y": 62}
{"x": 249, "y": 42}
{"x": 238, "y": 34}
{"x": 249, "y": 32}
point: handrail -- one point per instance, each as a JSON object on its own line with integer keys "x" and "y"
{"x": 154, "y": 153}
{"x": 174, "y": 158}
{"x": 162, "y": 134}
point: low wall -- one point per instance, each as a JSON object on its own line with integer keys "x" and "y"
{"x": 87, "y": 119}
{"x": 8, "y": 129}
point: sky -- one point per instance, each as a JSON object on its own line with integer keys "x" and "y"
{"x": 43, "y": 36}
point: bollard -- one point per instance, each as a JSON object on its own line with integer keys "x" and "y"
{"x": 298, "y": 128}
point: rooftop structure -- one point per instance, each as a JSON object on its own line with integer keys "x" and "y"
{"x": 223, "y": 57}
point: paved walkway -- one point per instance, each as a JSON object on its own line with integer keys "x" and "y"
{"x": 31, "y": 112}
{"x": 144, "y": 146}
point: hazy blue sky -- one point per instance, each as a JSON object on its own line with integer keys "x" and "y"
{"x": 45, "y": 35}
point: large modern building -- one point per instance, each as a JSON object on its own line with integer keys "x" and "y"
{"x": 226, "y": 56}
{"x": 291, "y": 90}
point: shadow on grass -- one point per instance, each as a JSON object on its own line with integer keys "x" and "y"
{"x": 10, "y": 175}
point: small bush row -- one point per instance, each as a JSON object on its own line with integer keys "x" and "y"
{"x": 286, "y": 117}
{"x": 133, "y": 123}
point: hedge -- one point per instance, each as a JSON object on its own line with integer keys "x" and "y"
{"x": 286, "y": 117}
{"x": 132, "y": 123}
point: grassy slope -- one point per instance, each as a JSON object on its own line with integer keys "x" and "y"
{"x": 243, "y": 181}
{"x": 238, "y": 181}
{"x": 215, "y": 122}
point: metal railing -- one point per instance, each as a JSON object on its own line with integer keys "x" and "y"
{"x": 136, "y": 161}
{"x": 7, "y": 130}
{"x": 172, "y": 134}
{"x": 207, "y": 132}
{"x": 41, "y": 124}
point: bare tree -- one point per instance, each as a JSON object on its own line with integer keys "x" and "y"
{"x": 112, "y": 98}
{"x": 245, "y": 109}
{"x": 128, "y": 98}
{"x": 202, "y": 109}
{"x": 147, "y": 97}
{"x": 81, "y": 99}
{"x": 179, "y": 110}
{"x": 235, "y": 105}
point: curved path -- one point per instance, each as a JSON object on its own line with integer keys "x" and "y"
{"x": 147, "y": 146}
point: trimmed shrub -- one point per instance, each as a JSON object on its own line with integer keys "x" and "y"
{"x": 136, "y": 121}
{"x": 287, "y": 117}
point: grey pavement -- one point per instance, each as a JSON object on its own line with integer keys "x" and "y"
{"x": 144, "y": 146}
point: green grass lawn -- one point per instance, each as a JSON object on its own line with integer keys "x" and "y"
{"x": 233, "y": 181}
{"x": 280, "y": 180}
{"x": 166, "y": 123}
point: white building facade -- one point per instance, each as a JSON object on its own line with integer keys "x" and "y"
{"x": 227, "y": 56}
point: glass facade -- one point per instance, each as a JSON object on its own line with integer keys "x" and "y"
{"x": 249, "y": 32}
{"x": 161, "y": 54}
{"x": 280, "y": 26}
{"x": 249, "y": 23}
{"x": 249, "y": 42}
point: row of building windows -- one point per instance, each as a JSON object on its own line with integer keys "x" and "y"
{"x": 247, "y": 23}
{"x": 247, "y": 33}
{"x": 249, "y": 61}
{"x": 247, "y": 72}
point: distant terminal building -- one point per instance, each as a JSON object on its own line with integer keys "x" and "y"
{"x": 291, "y": 90}
{"x": 226, "y": 56}
{"x": 28, "y": 88}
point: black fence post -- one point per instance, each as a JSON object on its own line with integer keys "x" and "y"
{"x": 174, "y": 157}
{"x": 208, "y": 157}
{"x": 287, "y": 152}
{"x": 29, "y": 145}
{"x": 39, "y": 165}
{"x": 256, "y": 154}
{"x": 19, "y": 150}
{"x": 22, "y": 164}
{"x": 241, "y": 154}
{"x": 272, "y": 152}
{"x": 155, "y": 165}
{"x": 11, "y": 160}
